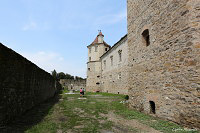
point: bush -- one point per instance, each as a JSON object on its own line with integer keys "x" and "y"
{"x": 126, "y": 97}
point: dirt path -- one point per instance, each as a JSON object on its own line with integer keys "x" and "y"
{"x": 122, "y": 124}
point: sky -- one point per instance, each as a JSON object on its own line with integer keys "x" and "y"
{"x": 54, "y": 34}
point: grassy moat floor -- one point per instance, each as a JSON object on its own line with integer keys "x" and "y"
{"x": 94, "y": 113}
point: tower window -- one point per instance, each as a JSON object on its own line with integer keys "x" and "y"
{"x": 106, "y": 49}
{"x": 90, "y": 50}
{"x": 88, "y": 69}
{"x": 96, "y": 48}
{"x": 97, "y": 83}
{"x": 89, "y": 58}
{"x": 146, "y": 37}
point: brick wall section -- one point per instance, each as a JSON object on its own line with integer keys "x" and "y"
{"x": 22, "y": 85}
{"x": 168, "y": 71}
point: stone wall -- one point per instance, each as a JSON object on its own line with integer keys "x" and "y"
{"x": 95, "y": 50}
{"x": 167, "y": 72}
{"x": 114, "y": 76}
{"x": 93, "y": 76}
{"x": 22, "y": 85}
{"x": 72, "y": 84}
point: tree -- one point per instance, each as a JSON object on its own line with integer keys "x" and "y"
{"x": 61, "y": 75}
{"x": 54, "y": 74}
{"x": 68, "y": 76}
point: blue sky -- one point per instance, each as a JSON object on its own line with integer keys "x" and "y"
{"x": 54, "y": 34}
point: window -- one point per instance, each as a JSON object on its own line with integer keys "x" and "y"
{"x": 88, "y": 69}
{"x": 97, "y": 83}
{"x": 89, "y": 58}
{"x": 146, "y": 37}
{"x": 96, "y": 48}
{"x": 119, "y": 75}
{"x": 90, "y": 50}
{"x": 98, "y": 76}
{"x": 106, "y": 49}
{"x": 104, "y": 62}
{"x": 111, "y": 60}
{"x": 120, "y": 55}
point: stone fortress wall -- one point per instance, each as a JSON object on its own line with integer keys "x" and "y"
{"x": 164, "y": 56}
{"x": 72, "y": 84}
{"x": 23, "y": 85}
{"x": 114, "y": 76}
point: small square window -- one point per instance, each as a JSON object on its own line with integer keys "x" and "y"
{"x": 104, "y": 64}
{"x": 111, "y": 60}
{"x": 119, "y": 75}
{"x": 120, "y": 55}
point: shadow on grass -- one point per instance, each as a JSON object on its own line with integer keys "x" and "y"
{"x": 31, "y": 117}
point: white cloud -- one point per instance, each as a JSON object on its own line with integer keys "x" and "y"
{"x": 33, "y": 25}
{"x": 111, "y": 18}
{"x": 50, "y": 61}
{"x": 30, "y": 26}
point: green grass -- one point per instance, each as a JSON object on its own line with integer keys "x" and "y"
{"x": 85, "y": 115}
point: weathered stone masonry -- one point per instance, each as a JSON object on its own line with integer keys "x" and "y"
{"x": 22, "y": 85}
{"x": 72, "y": 84}
{"x": 165, "y": 76}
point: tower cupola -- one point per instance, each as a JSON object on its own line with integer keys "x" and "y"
{"x": 100, "y": 37}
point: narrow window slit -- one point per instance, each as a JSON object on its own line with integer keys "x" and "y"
{"x": 146, "y": 37}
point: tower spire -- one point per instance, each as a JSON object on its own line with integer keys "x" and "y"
{"x": 100, "y": 33}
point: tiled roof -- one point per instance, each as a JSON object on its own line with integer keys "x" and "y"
{"x": 96, "y": 40}
{"x": 100, "y": 34}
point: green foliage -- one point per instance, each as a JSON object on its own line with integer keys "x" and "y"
{"x": 62, "y": 75}
{"x": 126, "y": 97}
{"x": 68, "y": 76}
{"x": 54, "y": 74}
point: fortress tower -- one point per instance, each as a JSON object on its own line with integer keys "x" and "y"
{"x": 95, "y": 50}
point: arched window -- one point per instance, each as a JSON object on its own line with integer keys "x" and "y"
{"x": 146, "y": 37}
